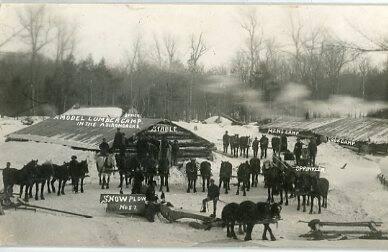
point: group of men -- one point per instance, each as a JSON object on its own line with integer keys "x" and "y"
{"x": 281, "y": 146}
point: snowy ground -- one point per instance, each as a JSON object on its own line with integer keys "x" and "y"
{"x": 355, "y": 195}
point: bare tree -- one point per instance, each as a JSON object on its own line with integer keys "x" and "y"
{"x": 158, "y": 51}
{"x": 65, "y": 38}
{"x": 170, "y": 45}
{"x": 254, "y": 31}
{"x": 133, "y": 62}
{"x": 363, "y": 68}
{"x": 37, "y": 27}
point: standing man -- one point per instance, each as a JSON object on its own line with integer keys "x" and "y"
{"x": 263, "y": 146}
{"x": 8, "y": 189}
{"x": 73, "y": 169}
{"x": 298, "y": 150}
{"x": 104, "y": 147}
{"x": 225, "y": 141}
{"x": 312, "y": 147}
{"x": 283, "y": 143}
{"x": 255, "y": 147}
{"x": 213, "y": 193}
{"x": 174, "y": 152}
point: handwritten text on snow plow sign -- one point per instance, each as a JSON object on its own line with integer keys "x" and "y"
{"x": 99, "y": 121}
{"x": 124, "y": 203}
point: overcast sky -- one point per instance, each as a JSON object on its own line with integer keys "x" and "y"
{"x": 108, "y": 30}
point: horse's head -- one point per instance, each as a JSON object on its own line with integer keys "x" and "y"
{"x": 275, "y": 210}
{"x": 111, "y": 159}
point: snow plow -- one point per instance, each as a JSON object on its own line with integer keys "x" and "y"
{"x": 343, "y": 230}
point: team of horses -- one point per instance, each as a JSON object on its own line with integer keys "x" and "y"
{"x": 239, "y": 143}
{"x": 38, "y": 175}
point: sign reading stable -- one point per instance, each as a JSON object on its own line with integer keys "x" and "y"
{"x": 124, "y": 203}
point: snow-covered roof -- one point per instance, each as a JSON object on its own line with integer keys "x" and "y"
{"x": 218, "y": 120}
{"x": 95, "y": 111}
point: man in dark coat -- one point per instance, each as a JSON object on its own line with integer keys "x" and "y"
{"x": 225, "y": 141}
{"x": 141, "y": 147}
{"x": 283, "y": 143}
{"x": 174, "y": 152}
{"x": 138, "y": 178}
{"x": 298, "y": 150}
{"x": 312, "y": 147}
{"x": 255, "y": 147}
{"x": 118, "y": 141}
{"x": 150, "y": 193}
{"x": 73, "y": 167}
{"x": 263, "y": 146}
{"x": 104, "y": 147}
{"x": 213, "y": 193}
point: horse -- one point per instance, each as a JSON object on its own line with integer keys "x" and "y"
{"x": 288, "y": 183}
{"x": 105, "y": 165}
{"x": 244, "y": 142}
{"x": 243, "y": 177}
{"x": 23, "y": 177}
{"x": 254, "y": 165}
{"x": 149, "y": 165}
{"x": 78, "y": 175}
{"x": 225, "y": 175}
{"x": 60, "y": 173}
{"x": 43, "y": 175}
{"x": 272, "y": 179}
{"x": 234, "y": 145}
{"x": 205, "y": 171}
{"x": 302, "y": 187}
{"x": 164, "y": 172}
{"x": 319, "y": 188}
{"x": 191, "y": 173}
{"x": 124, "y": 169}
{"x": 248, "y": 213}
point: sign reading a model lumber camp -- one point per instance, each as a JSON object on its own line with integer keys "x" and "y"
{"x": 100, "y": 121}
{"x": 124, "y": 203}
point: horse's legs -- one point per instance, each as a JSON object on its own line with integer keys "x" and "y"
{"x": 59, "y": 186}
{"x": 248, "y": 235}
{"x": 99, "y": 176}
{"x": 228, "y": 183}
{"x": 195, "y": 185}
{"x": 238, "y": 188}
{"x": 161, "y": 183}
{"x": 281, "y": 197}
{"x": 207, "y": 182}
{"x": 121, "y": 180}
{"x": 304, "y": 203}
{"x": 26, "y": 193}
{"x": 48, "y": 185}
{"x": 312, "y": 205}
{"x": 319, "y": 204}
{"x": 52, "y": 184}
{"x": 188, "y": 185}
{"x": 36, "y": 190}
{"x": 228, "y": 234}
{"x": 298, "y": 207}
{"x": 264, "y": 236}
{"x": 82, "y": 184}
{"x": 286, "y": 194}
{"x": 272, "y": 199}
{"x": 21, "y": 190}
{"x": 269, "y": 194}
{"x": 168, "y": 189}
{"x": 232, "y": 233}
{"x": 244, "y": 185}
{"x": 103, "y": 182}
{"x": 203, "y": 184}
{"x": 63, "y": 187}
{"x": 30, "y": 190}
{"x": 42, "y": 189}
{"x": 253, "y": 179}
{"x": 107, "y": 185}
{"x": 270, "y": 233}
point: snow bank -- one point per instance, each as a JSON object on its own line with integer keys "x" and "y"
{"x": 222, "y": 121}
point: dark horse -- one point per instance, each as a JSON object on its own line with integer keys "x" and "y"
{"x": 225, "y": 175}
{"x": 22, "y": 177}
{"x": 123, "y": 165}
{"x": 205, "y": 169}
{"x": 243, "y": 175}
{"x": 254, "y": 165}
{"x": 275, "y": 143}
{"x": 62, "y": 174}
{"x": 319, "y": 188}
{"x": 248, "y": 213}
{"x": 234, "y": 145}
{"x": 191, "y": 173}
{"x": 78, "y": 175}
{"x": 272, "y": 179}
{"x": 164, "y": 172}
{"x": 149, "y": 165}
{"x": 302, "y": 187}
{"x": 43, "y": 175}
{"x": 244, "y": 143}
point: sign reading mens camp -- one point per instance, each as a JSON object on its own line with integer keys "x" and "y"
{"x": 98, "y": 121}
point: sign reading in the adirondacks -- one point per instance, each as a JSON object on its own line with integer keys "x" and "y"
{"x": 163, "y": 128}
{"x": 124, "y": 203}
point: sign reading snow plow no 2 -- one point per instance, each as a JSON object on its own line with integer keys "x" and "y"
{"x": 124, "y": 203}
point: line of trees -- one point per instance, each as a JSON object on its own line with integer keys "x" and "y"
{"x": 159, "y": 83}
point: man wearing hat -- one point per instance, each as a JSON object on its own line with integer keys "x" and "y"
{"x": 225, "y": 141}
{"x": 255, "y": 147}
{"x": 104, "y": 147}
{"x": 298, "y": 150}
{"x": 213, "y": 193}
{"x": 73, "y": 167}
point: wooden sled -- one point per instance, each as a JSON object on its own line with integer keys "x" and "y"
{"x": 318, "y": 232}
